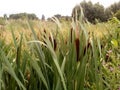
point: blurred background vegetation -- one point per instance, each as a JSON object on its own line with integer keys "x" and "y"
{"x": 92, "y": 12}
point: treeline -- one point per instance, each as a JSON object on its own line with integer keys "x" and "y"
{"x": 22, "y": 16}
{"x": 60, "y": 18}
{"x": 93, "y": 12}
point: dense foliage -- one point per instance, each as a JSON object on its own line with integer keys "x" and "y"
{"x": 95, "y": 11}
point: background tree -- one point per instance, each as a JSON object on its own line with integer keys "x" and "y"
{"x": 5, "y": 16}
{"x": 91, "y": 11}
{"x": 57, "y": 16}
{"x": 43, "y": 18}
{"x": 112, "y": 9}
{"x": 95, "y": 11}
{"x": 32, "y": 17}
{"x": 88, "y": 10}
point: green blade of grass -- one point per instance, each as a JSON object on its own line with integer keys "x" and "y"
{"x": 14, "y": 40}
{"x": 39, "y": 72}
{"x": 18, "y": 56}
{"x": 40, "y": 54}
{"x": 62, "y": 68}
{"x": 96, "y": 58}
{"x": 1, "y": 71}
{"x": 9, "y": 69}
{"x": 55, "y": 60}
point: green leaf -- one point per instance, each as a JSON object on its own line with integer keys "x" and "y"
{"x": 39, "y": 72}
{"x": 7, "y": 67}
{"x": 55, "y": 60}
{"x": 114, "y": 43}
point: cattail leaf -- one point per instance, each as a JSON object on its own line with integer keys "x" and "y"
{"x": 114, "y": 42}
{"x": 9, "y": 69}
{"x": 39, "y": 72}
{"x": 55, "y": 60}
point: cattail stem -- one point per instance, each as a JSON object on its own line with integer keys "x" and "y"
{"x": 77, "y": 42}
{"x": 71, "y": 34}
{"x": 77, "y": 48}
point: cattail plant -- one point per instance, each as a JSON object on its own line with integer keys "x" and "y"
{"x": 77, "y": 42}
{"x": 78, "y": 19}
{"x": 51, "y": 38}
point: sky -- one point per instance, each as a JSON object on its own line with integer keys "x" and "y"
{"x": 46, "y": 7}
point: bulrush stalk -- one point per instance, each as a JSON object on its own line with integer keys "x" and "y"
{"x": 87, "y": 46}
{"x": 54, "y": 42}
{"x": 44, "y": 33}
{"x": 77, "y": 42}
{"x": 71, "y": 33}
{"x": 77, "y": 48}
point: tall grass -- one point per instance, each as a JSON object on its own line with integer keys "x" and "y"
{"x": 81, "y": 61}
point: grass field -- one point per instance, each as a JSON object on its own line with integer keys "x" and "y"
{"x": 42, "y": 55}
